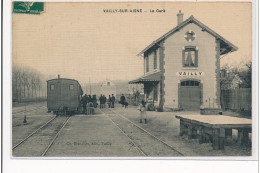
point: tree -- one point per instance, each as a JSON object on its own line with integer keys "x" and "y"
{"x": 26, "y": 83}
{"x": 246, "y": 75}
{"x": 236, "y": 77}
{"x": 15, "y": 83}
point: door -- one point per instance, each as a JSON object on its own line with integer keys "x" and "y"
{"x": 190, "y": 95}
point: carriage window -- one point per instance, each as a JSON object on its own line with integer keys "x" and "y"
{"x": 52, "y": 86}
{"x": 190, "y": 57}
{"x": 71, "y": 86}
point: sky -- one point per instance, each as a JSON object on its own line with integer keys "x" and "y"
{"x": 80, "y": 41}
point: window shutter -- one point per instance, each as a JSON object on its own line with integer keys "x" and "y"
{"x": 196, "y": 58}
{"x": 147, "y": 64}
{"x": 183, "y": 58}
{"x": 155, "y": 59}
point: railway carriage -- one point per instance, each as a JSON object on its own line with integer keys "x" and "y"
{"x": 63, "y": 96}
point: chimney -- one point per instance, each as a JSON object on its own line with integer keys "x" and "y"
{"x": 58, "y": 76}
{"x": 179, "y": 17}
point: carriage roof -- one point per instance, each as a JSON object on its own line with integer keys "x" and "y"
{"x": 81, "y": 91}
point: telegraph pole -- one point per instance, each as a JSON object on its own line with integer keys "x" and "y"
{"x": 89, "y": 86}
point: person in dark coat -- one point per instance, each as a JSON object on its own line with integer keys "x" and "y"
{"x": 122, "y": 100}
{"x": 84, "y": 103}
{"x": 94, "y": 98}
{"x": 113, "y": 99}
{"x": 109, "y": 101}
{"x": 86, "y": 99}
{"x": 101, "y": 101}
{"x": 104, "y": 101}
{"x": 90, "y": 99}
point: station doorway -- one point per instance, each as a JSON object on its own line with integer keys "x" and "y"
{"x": 190, "y": 95}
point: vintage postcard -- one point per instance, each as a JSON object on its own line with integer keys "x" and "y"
{"x": 134, "y": 80}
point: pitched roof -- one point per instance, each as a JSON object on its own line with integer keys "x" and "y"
{"x": 155, "y": 77}
{"x": 225, "y": 45}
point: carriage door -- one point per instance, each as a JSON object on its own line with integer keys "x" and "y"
{"x": 190, "y": 95}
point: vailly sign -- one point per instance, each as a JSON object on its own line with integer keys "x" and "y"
{"x": 190, "y": 73}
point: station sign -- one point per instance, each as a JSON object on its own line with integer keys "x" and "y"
{"x": 190, "y": 73}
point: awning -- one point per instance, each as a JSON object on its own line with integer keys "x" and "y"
{"x": 155, "y": 77}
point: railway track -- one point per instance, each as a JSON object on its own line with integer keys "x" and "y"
{"x": 147, "y": 143}
{"x": 55, "y": 137}
{"x": 40, "y": 141}
{"x": 136, "y": 146}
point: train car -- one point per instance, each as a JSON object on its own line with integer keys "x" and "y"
{"x": 63, "y": 96}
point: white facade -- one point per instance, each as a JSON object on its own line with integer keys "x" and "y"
{"x": 182, "y": 68}
{"x": 108, "y": 88}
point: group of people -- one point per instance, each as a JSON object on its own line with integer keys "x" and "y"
{"x": 91, "y": 102}
{"x": 88, "y": 101}
{"x": 111, "y": 101}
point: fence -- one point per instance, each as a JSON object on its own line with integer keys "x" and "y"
{"x": 237, "y": 99}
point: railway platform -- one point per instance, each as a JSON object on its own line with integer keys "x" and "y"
{"x": 109, "y": 133}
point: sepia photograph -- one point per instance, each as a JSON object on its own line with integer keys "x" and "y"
{"x": 136, "y": 80}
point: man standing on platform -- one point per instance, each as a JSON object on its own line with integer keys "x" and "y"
{"x": 113, "y": 99}
{"x": 109, "y": 101}
{"x": 101, "y": 101}
{"x": 122, "y": 100}
{"x": 104, "y": 101}
{"x": 84, "y": 103}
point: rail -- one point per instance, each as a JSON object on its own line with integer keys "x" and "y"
{"x": 141, "y": 151}
{"x": 34, "y": 132}
{"x": 51, "y": 143}
{"x": 150, "y": 134}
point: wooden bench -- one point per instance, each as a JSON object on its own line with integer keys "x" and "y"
{"x": 216, "y": 128}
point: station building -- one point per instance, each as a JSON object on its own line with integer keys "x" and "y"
{"x": 182, "y": 67}
{"x": 108, "y": 88}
